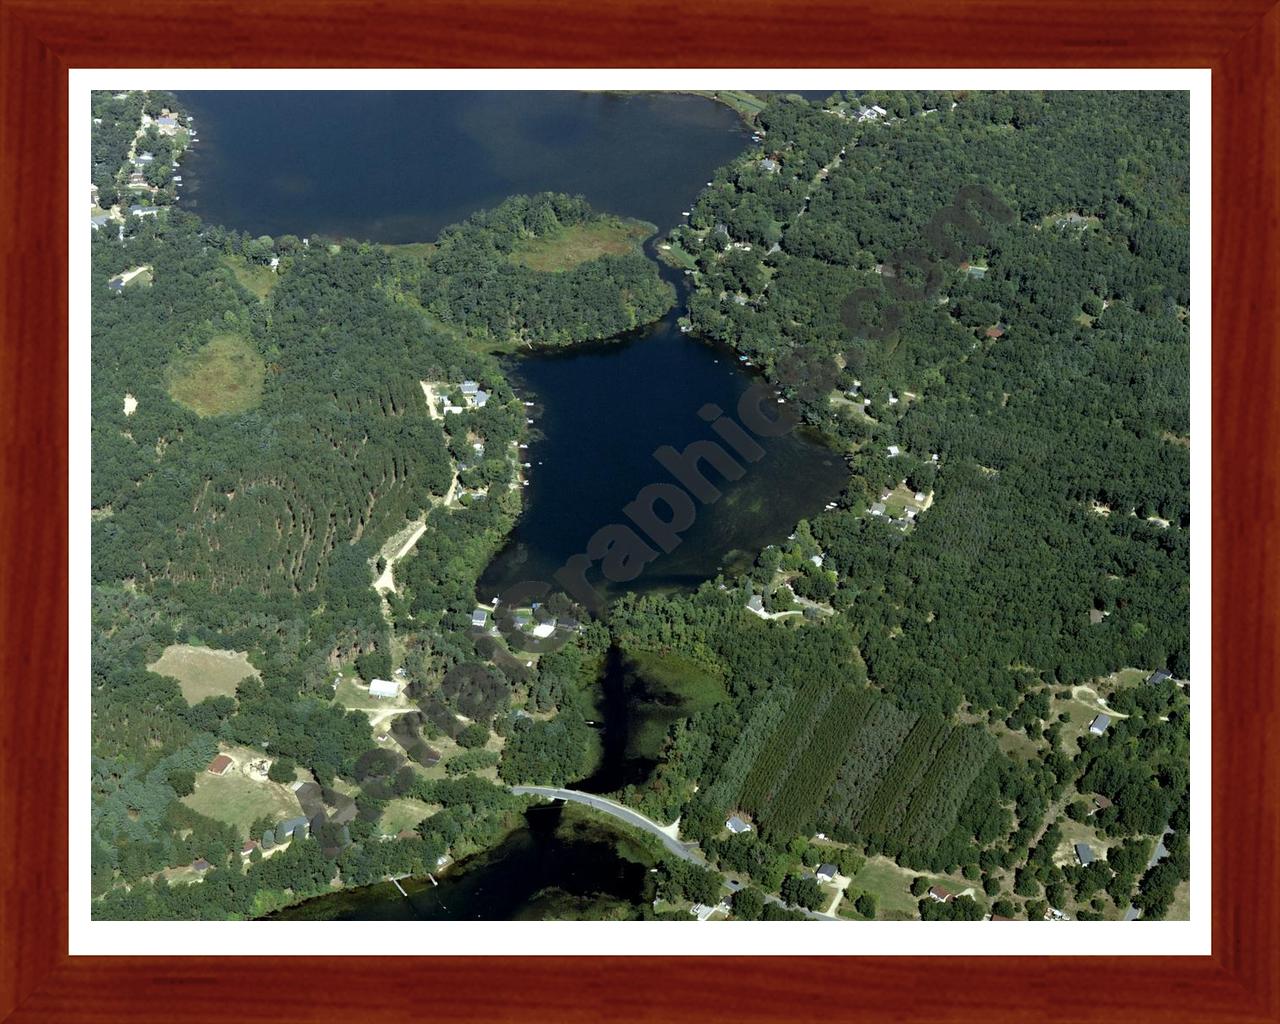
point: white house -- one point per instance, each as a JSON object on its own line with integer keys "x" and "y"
{"x": 894, "y": 451}
{"x": 479, "y": 617}
{"x": 383, "y": 688}
{"x": 543, "y": 630}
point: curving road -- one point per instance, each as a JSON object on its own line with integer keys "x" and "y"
{"x": 685, "y": 851}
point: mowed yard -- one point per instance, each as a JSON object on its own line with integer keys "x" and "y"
{"x": 257, "y": 278}
{"x": 891, "y": 886}
{"x": 202, "y": 671}
{"x": 565, "y": 248}
{"x": 237, "y": 798}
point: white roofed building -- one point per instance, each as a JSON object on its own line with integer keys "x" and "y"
{"x": 383, "y": 688}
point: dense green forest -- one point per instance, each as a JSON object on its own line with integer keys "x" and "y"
{"x": 253, "y": 453}
{"x": 981, "y": 299}
{"x": 472, "y": 280}
{"x": 984, "y": 298}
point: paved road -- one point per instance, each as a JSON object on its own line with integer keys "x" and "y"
{"x": 685, "y": 851}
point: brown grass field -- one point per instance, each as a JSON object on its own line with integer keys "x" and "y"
{"x": 203, "y": 672}
{"x": 566, "y": 248}
{"x": 220, "y": 378}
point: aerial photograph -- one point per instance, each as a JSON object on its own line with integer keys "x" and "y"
{"x": 640, "y": 506}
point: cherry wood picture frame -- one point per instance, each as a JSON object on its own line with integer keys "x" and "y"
{"x": 41, "y": 39}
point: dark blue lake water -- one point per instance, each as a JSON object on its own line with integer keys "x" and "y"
{"x": 399, "y": 166}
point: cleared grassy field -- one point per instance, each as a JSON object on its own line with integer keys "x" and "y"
{"x": 239, "y": 800}
{"x": 203, "y": 672}
{"x": 254, "y": 277}
{"x": 889, "y": 885}
{"x": 223, "y": 377}
{"x": 1078, "y": 832}
{"x": 420, "y": 250}
{"x": 354, "y": 695}
{"x": 565, "y": 248}
{"x": 402, "y": 813}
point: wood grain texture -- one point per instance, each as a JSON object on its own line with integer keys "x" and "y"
{"x": 40, "y": 40}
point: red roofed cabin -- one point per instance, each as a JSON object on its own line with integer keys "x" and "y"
{"x": 995, "y": 331}
{"x": 219, "y": 765}
{"x": 937, "y": 892}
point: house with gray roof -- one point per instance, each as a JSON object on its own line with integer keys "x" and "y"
{"x": 1099, "y": 725}
{"x": 769, "y": 165}
{"x": 737, "y": 826}
{"x": 1084, "y": 854}
{"x": 294, "y": 826}
{"x": 1157, "y": 677}
{"x": 826, "y": 872}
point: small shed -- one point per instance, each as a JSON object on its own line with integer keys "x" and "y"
{"x": 219, "y": 765}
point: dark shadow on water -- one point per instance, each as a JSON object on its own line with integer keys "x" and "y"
{"x": 548, "y": 870}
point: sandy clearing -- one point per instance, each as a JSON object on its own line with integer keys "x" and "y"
{"x": 430, "y": 396}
